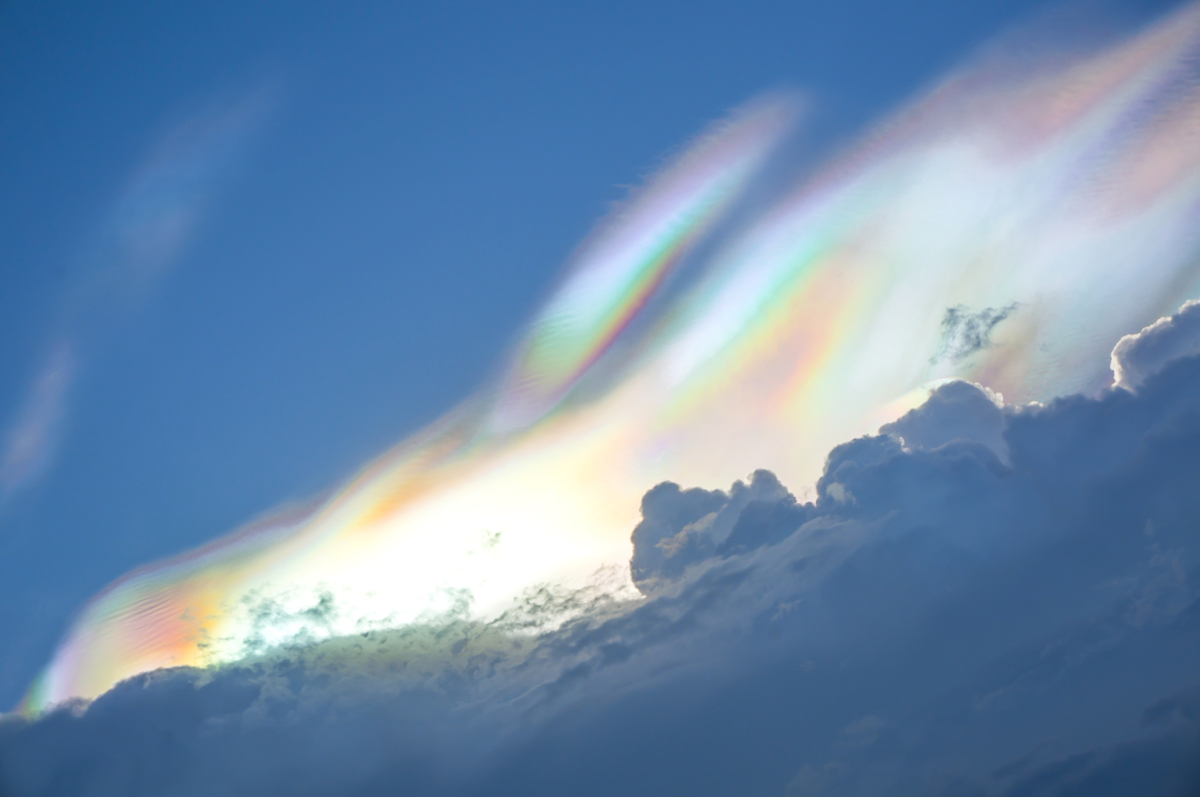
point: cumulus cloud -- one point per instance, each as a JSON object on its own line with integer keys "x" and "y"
{"x": 957, "y": 410}
{"x": 1143, "y": 353}
{"x": 681, "y": 527}
{"x": 938, "y": 621}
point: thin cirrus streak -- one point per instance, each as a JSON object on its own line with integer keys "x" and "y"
{"x": 140, "y": 237}
{"x": 1029, "y": 218}
{"x": 34, "y": 432}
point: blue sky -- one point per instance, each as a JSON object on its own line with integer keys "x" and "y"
{"x": 402, "y": 190}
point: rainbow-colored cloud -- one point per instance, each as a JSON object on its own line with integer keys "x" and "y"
{"x": 1006, "y": 228}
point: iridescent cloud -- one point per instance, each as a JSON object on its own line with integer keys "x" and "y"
{"x": 1006, "y": 228}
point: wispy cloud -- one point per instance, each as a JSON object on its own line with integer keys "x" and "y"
{"x": 33, "y": 434}
{"x": 146, "y": 231}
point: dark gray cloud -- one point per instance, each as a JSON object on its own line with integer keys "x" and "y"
{"x": 965, "y": 332}
{"x": 682, "y": 527}
{"x": 979, "y": 601}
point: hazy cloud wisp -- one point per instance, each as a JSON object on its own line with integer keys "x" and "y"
{"x": 141, "y": 237}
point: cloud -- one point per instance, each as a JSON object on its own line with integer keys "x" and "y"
{"x": 34, "y": 432}
{"x": 965, "y": 332}
{"x": 938, "y": 621}
{"x": 957, "y": 410}
{"x": 144, "y": 233}
{"x": 1143, "y": 353}
{"x": 681, "y": 527}
{"x": 740, "y": 311}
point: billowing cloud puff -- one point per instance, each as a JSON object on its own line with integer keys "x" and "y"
{"x": 682, "y": 527}
{"x": 1143, "y": 353}
{"x": 939, "y": 620}
{"x": 957, "y": 410}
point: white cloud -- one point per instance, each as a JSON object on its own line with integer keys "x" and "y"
{"x": 957, "y": 410}
{"x": 1141, "y": 354}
